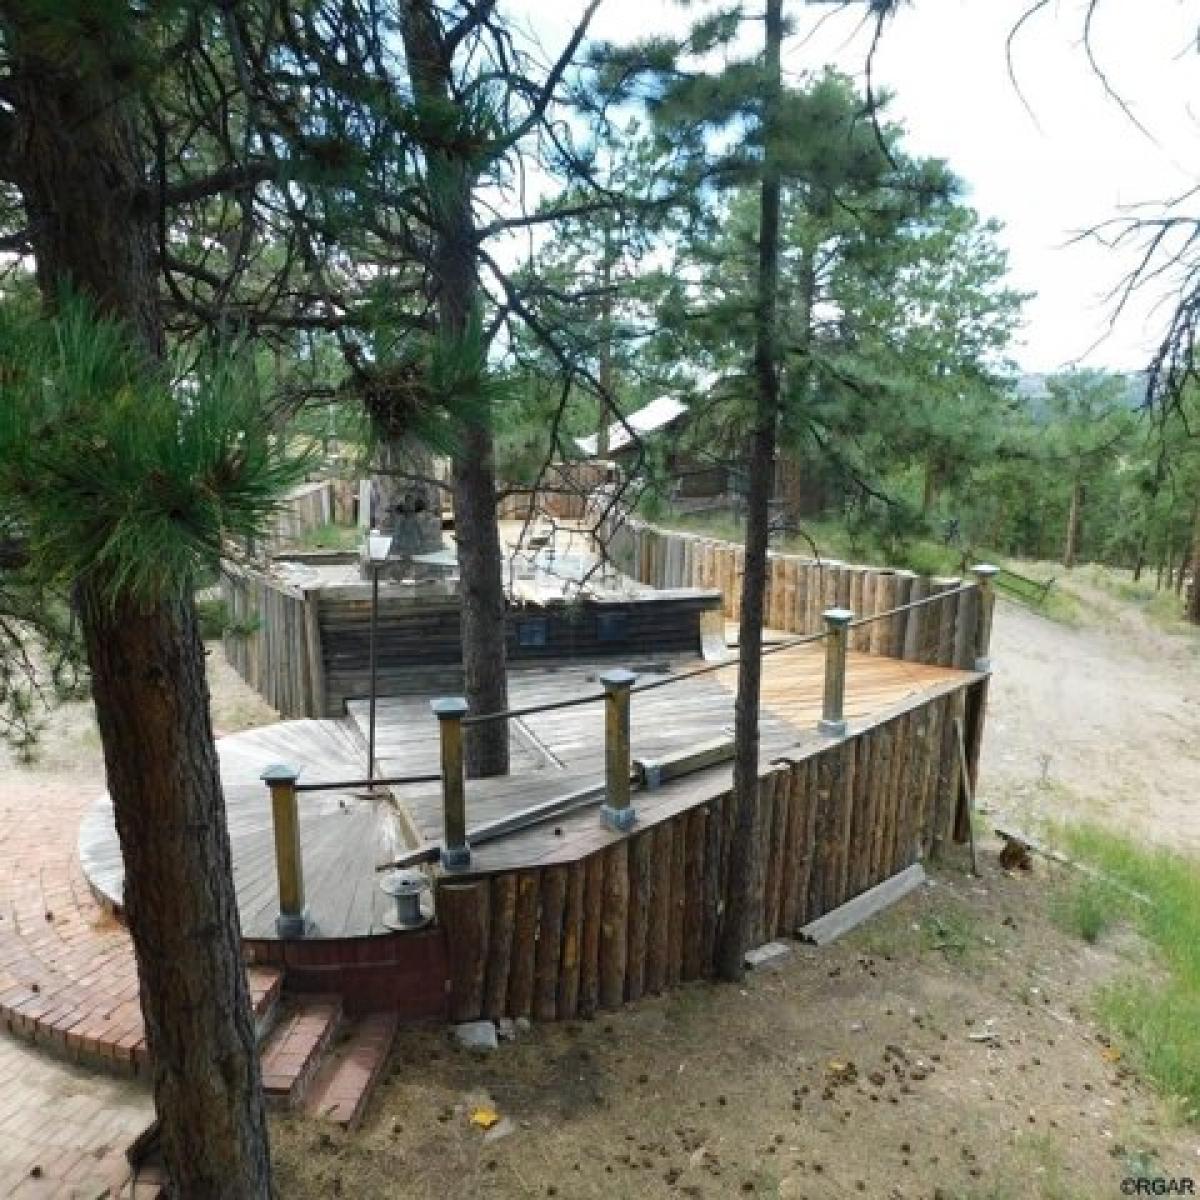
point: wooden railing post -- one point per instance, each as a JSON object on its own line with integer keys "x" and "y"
{"x": 832, "y": 720}
{"x": 455, "y": 850}
{"x": 617, "y": 812}
{"x": 292, "y": 921}
{"x": 986, "y": 574}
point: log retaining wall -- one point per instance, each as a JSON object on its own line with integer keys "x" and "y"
{"x": 941, "y": 633}
{"x": 644, "y": 912}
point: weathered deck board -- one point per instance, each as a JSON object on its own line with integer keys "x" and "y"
{"x": 345, "y": 836}
{"x": 664, "y": 719}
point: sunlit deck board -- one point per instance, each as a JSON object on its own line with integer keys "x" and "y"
{"x": 345, "y": 836}
{"x": 665, "y": 719}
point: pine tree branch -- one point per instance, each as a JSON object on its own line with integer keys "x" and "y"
{"x": 477, "y": 16}
{"x": 545, "y": 94}
{"x": 235, "y": 178}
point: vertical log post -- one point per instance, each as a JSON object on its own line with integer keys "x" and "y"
{"x": 986, "y": 574}
{"x": 617, "y": 812}
{"x": 450, "y": 711}
{"x": 832, "y": 721}
{"x": 292, "y": 921}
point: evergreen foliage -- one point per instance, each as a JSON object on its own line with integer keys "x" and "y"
{"x": 123, "y": 475}
{"x": 118, "y": 474}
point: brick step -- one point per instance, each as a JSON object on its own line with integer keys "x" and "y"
{"x": 343, "y": 1085}
{"x": 293, "y": 1050}
{"x": 85, "y": 1021}
{"x": 266, "y": 988}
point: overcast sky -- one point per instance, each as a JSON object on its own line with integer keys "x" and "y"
{"x": 1076, "y": 161}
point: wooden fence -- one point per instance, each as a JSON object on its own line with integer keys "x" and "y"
{"x": 563, "y": 494}
{"x": 306, "y": 649}
{"x": 272, "y": 639}
{"x": 644, "y": 912}
{"x": 799, "y": 589}
{"x": 307, "y": 507}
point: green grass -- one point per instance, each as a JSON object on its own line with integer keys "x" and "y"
{"x": 952, "y": 931}
{"x": 1063, "y": 607}
{"x": 830, "y": 539}
{"x": 1160, "y": 606}
{"x": 1088, "y": 908}
{"x": 215, "y": 621}
{"x": 331, "y": 537}
{"x": 1156, "y": 1020}
{"x": 1062, "y": 604}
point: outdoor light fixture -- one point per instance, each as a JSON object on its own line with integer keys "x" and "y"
{"x": 406, "y": 888}
{"x": 379, "y": 546}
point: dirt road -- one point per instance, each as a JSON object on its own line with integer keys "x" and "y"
{"x": 1099, "y": 722}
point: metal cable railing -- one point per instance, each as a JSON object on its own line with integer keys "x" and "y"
{"x": 618, "y": 686}
{"x": 345, "y": 785}
{"x": 936, "y": 597}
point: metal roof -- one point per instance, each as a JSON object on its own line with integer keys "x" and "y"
{"x": 658, "y": 414}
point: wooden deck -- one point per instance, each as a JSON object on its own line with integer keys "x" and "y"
{"x": 344, "y": 834}
{"x": 559, "y": 752}
{"x": 345, "y": 837}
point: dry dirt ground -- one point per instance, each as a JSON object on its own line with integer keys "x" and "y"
{"x": 945, "y": 1051}
{"x": 1100, "y": 722}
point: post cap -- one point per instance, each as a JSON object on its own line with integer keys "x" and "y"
{"x": 449, "y": 707}
{"x": 280, "y": 773}
{"x": 617, "y": 678}
{"x": 985, "y": 570}
{"x": 404, "y": 883}
{"x": 619, "y": 820}
{"x": 838, "y": 616}
{"x": 455, "y": 858}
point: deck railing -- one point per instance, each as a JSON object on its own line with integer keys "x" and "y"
{"x": 617, "y": 810}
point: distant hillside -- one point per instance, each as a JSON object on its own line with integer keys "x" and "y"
{"x": 1034, "y": 394}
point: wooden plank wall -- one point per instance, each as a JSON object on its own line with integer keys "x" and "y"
{"x": 270, "y": 640}
{"x": 644, "y": 913}
{"x": 941, "y": 633}
{"x": 427, "y": 635}
{"x": 307, "y": 507}
{"x": 564, "y": 494}
{"x": 307, "y": 651}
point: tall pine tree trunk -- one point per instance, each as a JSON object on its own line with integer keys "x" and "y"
{"x": 930, "y": 491}
{"x": 151, "y": 698}
{"x": 78, "y": 165}
{"x": 605, "y": 374}
{"x": 1191, "y": 607}
{"x": 745, "y": 862}
{"x": 455, "y": 285}
{"x": 1139, "y": 564}
{"x": 1074, "y": 525}
{"x": 1187, "y": 556}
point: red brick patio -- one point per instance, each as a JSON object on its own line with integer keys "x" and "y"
{"x": 67, "y": 975}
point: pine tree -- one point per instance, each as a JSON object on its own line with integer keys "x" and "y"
{"x": 1092, "y": 423}
{"x": 119, "y": 493}
{"x": 740, "y": 127}
{"x": 118, "y": 482}
{"x": 441, "y": 110}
